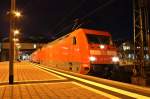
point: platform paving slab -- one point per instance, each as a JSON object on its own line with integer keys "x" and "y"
{"x": 24, "y": 71}
{"x": 61, "y": 90}
{"x": 30, "y": 82}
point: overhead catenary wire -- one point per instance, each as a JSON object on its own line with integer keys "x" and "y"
{"x": 73, "y": 12}
{"x": 97, "y": 9}
{"x": 68, "y": 15}
{"x": 60, "y": 33}
{"x": 88, "y": 15}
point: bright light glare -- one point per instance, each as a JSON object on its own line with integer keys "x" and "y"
{"x": 102, "y": 46}
{"x": 92, "y": 58}
{"x": 16, "y": 39}
{"x": 16, "y": 32}
{"x": 115, "y": 59}
{"x": 34, "y": 46}
{"x": 17, "y": 14}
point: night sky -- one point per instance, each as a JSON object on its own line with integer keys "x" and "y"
{"x": 52, "y": 18}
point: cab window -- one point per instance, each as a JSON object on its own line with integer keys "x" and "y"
{"x": 98, "y": 39}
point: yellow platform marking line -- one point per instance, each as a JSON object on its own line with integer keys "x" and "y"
{"x": 97, "y": 91}
{"x": 88, "y": 88}
{"x": 54, "y": 75}
{"x": 62, "y": 78}
{"x": 117, "y": 90}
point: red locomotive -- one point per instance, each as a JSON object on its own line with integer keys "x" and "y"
{"x": 81, "y": 51}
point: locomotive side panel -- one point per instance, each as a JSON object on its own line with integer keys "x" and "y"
{"x": 58, "y": 54}
{"x": 35, "y": 57}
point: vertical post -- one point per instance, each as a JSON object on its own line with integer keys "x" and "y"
{"x": 11, "y": 49}
{"x": 147, "y": 27}
{"x": 140, "y": 29}
{"x": 134, "y": 26}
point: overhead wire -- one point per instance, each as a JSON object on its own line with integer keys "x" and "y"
{"x": 68, "y": 15}
{"x": 72, "y": 12}
{"x": 98, "y": 8}
{"x": 89, "y": 14}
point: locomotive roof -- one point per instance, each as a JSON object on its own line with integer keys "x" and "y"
{"x": 88, "y": 31}
{"x": 98, "y": 32}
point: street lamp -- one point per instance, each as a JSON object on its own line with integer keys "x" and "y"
{"x": 13, "y": 15}
{"x": 16, "y": 32}
{"x": 15, "y": 40}
{"x": 11, "y": 49}
{"x": 17, "y": 14}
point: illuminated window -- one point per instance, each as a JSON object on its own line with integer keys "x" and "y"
{"x": 34, "y": 46}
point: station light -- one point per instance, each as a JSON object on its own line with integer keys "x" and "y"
{"x": 16, "y": 32}
{"x": 17, "y": 14}
{"x": 15, "y": 39}
{"x": 147, "y": 57}
{"x": 34, "y": 46}
{"x": 125, "y": 47}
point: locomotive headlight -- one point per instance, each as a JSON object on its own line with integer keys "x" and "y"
{"x": 102, "y": 46}
{"x": 115, "y": 59}
{"x": 92, "y": 58}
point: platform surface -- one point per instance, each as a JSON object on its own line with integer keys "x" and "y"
{"x": 31, "y": 82}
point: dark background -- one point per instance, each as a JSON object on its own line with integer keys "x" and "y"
{"x": 44, "y": 20}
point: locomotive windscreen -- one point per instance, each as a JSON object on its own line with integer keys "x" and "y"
{"x": 98, "y": 39}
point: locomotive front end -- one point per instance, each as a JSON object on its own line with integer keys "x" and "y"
{"x": 102, "y": 54}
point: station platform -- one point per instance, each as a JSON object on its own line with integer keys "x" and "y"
{"x": 25, "y": 72}
{"x": 32, "y": 81}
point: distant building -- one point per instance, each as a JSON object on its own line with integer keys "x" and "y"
{"x": 22, "y": 50}
{"x": 24, "y": 47}
{"x": 126, "y": 52}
